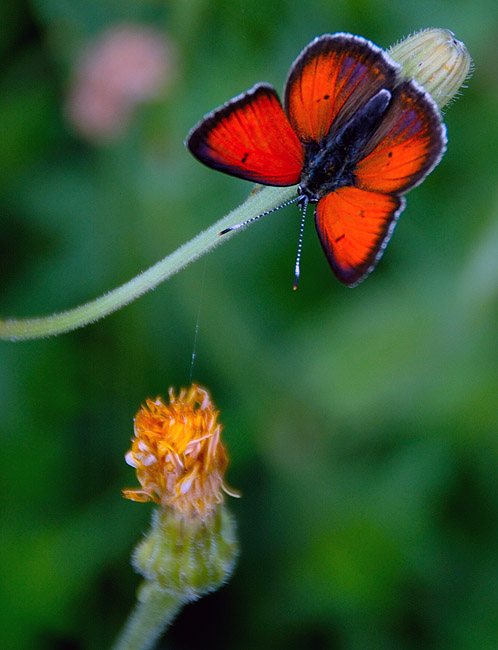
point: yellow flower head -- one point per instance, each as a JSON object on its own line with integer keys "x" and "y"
{"x": 178, "y": 455}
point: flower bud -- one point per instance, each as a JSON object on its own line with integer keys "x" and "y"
{"x": 436, "y": 60}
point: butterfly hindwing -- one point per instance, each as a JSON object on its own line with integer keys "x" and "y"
{"x": 354, "y": 227}
{"x": 408, "y": 144}
{"x": 251, "y": 138}
{"x": 331, "y": 79}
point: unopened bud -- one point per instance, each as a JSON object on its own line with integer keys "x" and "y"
{"x": 437, "y": 60}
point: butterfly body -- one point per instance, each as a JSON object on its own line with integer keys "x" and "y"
{"x": 331, "y": 164}
{"x": 352, "y": 134}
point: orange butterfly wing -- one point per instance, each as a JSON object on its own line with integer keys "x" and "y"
{"x": 354, "y": 227}
{"x": 331, "y": 79}
{"x": 250, "y": 137}
{"x": 408, "y": 144}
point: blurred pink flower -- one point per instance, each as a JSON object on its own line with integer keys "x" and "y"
{"x": 124, "y": 66}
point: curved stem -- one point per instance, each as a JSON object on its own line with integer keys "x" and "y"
{"x": 32, "y": 328}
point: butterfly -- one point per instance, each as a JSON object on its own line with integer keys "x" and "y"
{"x": 353, "y": 133}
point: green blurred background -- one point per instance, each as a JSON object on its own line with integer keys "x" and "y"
{"x": 361, "y": 424}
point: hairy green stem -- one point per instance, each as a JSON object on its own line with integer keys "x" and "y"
{"x": 155, "y": 610}
{"x": 258, "y": 202}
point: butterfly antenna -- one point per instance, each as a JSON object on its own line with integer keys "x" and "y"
{"x": 303, "y": 205}
{"x": 258, "y": 216}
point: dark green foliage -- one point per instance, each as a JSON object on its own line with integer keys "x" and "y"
{"x": 362, "y": 424}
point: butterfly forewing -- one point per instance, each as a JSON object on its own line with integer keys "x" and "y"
{"x": 354, "y": 227}
{"x": 331, "y": 79}
{"x": 408, "y": 144}
{"x": 251, "y": 138}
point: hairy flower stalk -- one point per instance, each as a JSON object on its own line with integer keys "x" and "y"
{"x": 191, "y": 547}
{"x": 433, "y": 57}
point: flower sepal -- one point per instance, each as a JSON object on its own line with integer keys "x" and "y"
{"x": 187, "y": 556}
